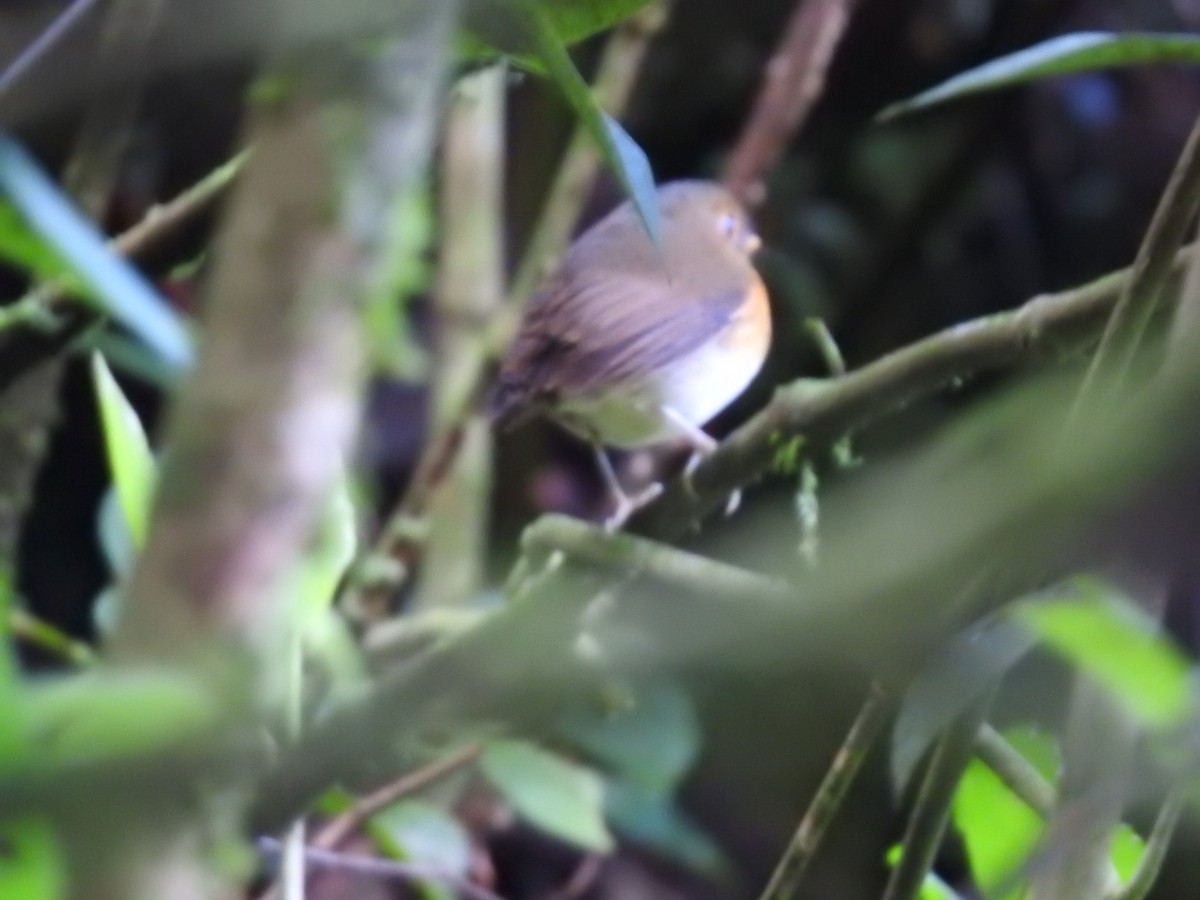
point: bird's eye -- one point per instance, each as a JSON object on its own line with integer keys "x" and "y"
{"x": 729, "y": 225}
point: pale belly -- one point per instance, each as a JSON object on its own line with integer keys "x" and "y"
{"x": 695, "y": 388}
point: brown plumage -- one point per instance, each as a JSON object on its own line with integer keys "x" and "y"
{"x": 626, "y": 346}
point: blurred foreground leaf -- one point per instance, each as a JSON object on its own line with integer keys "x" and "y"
{"x": 559, "y": 797}
{"x": 1099, "y": 630}
{"x": 491, "y": 30}
{"x": 118, "y": 287}
{"x": 105, "y": 717}
{"x": 957, "y": 675}
{"x": 653, "y": 743}
{"x": 423, "y": 833}
{"x": 1066, "y": 55}
{"x": 31, "y": 864}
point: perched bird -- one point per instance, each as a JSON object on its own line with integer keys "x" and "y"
{"x": 627, "y": 345}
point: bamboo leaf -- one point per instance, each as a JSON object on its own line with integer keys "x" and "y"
{"x": 1066, "y": 55}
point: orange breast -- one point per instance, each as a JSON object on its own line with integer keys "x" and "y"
{"x": 750, "y": 331}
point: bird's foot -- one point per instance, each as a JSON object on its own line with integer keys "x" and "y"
{"x": 698, "y": 456}
{"x": 626, "y": 505}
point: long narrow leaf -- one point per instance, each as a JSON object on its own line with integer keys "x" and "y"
{"x": 128, "y": 451}
{"x": 620, "y": 151}
{"x": 119, "y": 288}
{"x": 1066, "y": 55}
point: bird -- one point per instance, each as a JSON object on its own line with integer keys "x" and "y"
{"x": 628, "y": 343}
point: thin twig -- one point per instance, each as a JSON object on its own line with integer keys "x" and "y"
{"x": 59, "y": 28}
{"x": 469, "y": 288}
{"x": 931, "y": 813}
{"x": 1017, "y": 773}
{"x": 625, "y": 553}
{"x": 383, "y": 868}
{"x": 792, "y": 83}
{"x": 339, "y": 829}
{"x": 805, "y": 843}
{"x": 159, "y": 222}
{"x": 26, "y": 626}
{"x": 1142, "y": 295}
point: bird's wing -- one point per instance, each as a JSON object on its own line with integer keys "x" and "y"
{"x": 580, "y": 335}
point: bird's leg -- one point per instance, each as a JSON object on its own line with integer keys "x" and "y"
{"x": 703, "y": 444}
{"x": 626, "y": 505}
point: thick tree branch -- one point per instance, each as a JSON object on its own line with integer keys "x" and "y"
{"x": 821, "y": 412}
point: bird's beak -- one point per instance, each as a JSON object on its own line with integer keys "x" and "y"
{"x": 751, "y": 243}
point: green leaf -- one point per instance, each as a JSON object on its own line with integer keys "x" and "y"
{"x": 32, "y": 866}
{"x": 571, "y": 20}
{"x": 998, "y": 829}
{"x": 955, "y": 676}
{"x": 559, "y": 797}
{"x": 20, "y": 247}
{"x": 932, "y": 888}
{"x": 420, "y": 832}
{"x": 1097, "y": 629}
{"x": 619, "y": 150}
{"x": 1126, "y": 853}
{"x": 128, "y": 451}
{"x": 119, "y": 289}
{"x": 1066, "y": 55}
{"x": 574, "y": 20}
{"x": 653, "y": 743}
{"x": 654, "y": 820}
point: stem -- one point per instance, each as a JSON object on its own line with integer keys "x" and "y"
{"x": 931, "y": 814}
{"x": 26, "y": 626}
{"x": 1143, "y": 293}
{"x": 1018, "y": 775}
{"x": 803, "y": 847}
{"x": 382, "y": 868}
{"x": 342, "y": 827}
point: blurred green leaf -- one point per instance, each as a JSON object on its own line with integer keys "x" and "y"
{"x": 420, "y": 832}
{"x": 118, "y": 288}
{"x": 619, "y": 150}
{"x": 22, "y": 248}
{"x": 956, "y": 676}
{"x": 998, "y": 829}
{"x": 653, "y": 820}
{"x": 128, "y": 451}
{"x": 1065, "y": 55}
{"x": 653, "y": 743}
{"x": 561, "y": 798}
{"x": 1127, "y": 851}
{"x": 571, "y": 20}
{"x": 574, "y": 20}
{"x": 31, "y": 863}
{"x": 401, "y": 273}
{"x": 932, "y": 888}
{"x": 1099, "y": 630}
